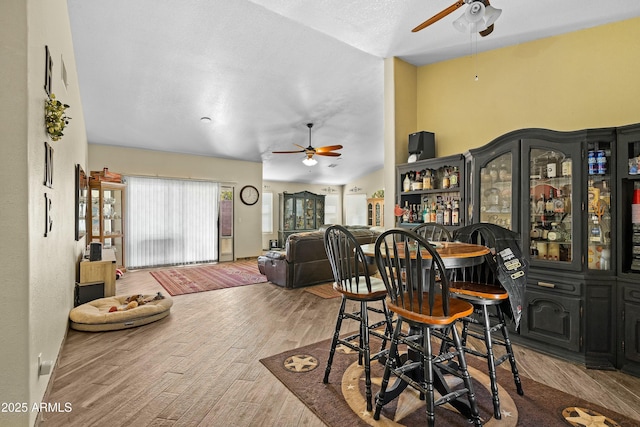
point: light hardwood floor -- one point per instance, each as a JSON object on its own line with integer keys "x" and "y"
{"x": 200, "y": 365}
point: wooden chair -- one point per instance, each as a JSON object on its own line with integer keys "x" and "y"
{"x": 433, "y": 232}
{"x": 480, "y": 286}
{"x": 409, "y": 265}
{"x": 354, "y": 282}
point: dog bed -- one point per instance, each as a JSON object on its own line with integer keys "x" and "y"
{"x": 94, "y": 316}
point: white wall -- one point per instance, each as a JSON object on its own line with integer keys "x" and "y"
{"x": 39, "y": 274}
{"x": 248, "y": 219}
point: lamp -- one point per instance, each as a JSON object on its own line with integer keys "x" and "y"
{"x": 476, "y": 18}
{"x": 309, "y": 161}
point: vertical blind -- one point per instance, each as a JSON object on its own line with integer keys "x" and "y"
{"x": 171, "y": 221}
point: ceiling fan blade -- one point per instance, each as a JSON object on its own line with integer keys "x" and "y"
{"x": 328, "y": 153}
{"x": 438, "y": 16}
{"x": 328, "y": 148}
{"x": 288, "y": 152}
{"x": 298, "y": 145}
{"x": 489, "y": 30}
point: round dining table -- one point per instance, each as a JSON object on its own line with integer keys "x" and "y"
{"x": 453, "y": 254}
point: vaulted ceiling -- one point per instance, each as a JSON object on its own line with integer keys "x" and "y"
{"x": 261, "y": 70}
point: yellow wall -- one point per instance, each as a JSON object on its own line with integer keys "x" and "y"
{"x": 584, "y": 79}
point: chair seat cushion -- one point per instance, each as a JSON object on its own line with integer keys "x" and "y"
{"x": 478, "y": 290}
{"x": 95, "y": 315}
{"x": 378, "y": 290}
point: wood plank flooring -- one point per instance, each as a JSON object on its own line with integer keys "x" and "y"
{"x": 199, "y": 366}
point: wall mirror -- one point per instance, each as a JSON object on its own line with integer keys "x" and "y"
{"x": 82, "y": 191}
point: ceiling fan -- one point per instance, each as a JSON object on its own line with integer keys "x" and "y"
{"x": 478, "y": 17}
{"x": 327, "y": 150}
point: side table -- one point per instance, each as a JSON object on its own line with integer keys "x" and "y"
{"x": 100, "y": 271}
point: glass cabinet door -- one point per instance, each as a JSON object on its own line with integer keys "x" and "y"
{"x": 554, "y": 214}
{"x": 599, "y": 247}
{"x": 289, "y": 215}
{"x": 496, "y": 192}
{"x": 319, "y": 212}
{"x": 300, "y": 213}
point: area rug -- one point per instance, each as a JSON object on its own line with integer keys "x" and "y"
{"x": 324, "y": 290}
{"x": 187, "y": 280}
{"x": 342, "y": 402}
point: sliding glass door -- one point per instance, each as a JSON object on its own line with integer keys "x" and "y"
{"x": 171, "y": 221}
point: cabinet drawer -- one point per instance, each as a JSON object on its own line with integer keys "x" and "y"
{"x": 631, "y": 293}
{"x": 558, "y": 286}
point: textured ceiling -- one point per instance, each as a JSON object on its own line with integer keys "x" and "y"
{"x": 262, "y": 69}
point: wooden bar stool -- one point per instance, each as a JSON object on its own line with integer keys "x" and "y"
{"x": 409, "y": 266}
{"x": 353, "y": 281}
{"x": 479, "y": 286}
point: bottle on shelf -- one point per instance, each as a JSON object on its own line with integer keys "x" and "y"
{"x": 433, "y": 213}
{"x": 446, "y": 220}
{"x": 439, "y": 215}
{"x": 454, "y": 178}
{"x": 425, "y": 212}
{"x": 446, "y": 181}
{"x": 566, "y": 166}
{"x": 405, "y": 212}
{"x": 549, "y": 202}
{"x": 426, "y": 180}
{"x": 455, "y": 214}
{"x": 552, "y": 165}
{"x": 406, "y": 184}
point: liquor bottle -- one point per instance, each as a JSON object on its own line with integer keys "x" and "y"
{"x": 411, "y": 213}
{"x": 426, "y": 180}
{"x": 406, "y": 184}
{"x": 439, "y": 215}
{"x": 454, "y": 178}
{"x": 552, "y": 165}
{"x": 433, "y": 213}
{"x": 455, "y": 214}
{"x": 414, "y": 214}
{"x": 446, "y": 182}
{"x": 566, "y": 166}
{"x": 425, "y": 212}
{"x": 549, "y": 205}
{"x": 406, "y": 213}
{"x": 595, "y": 231}
{"x": 446, "y": 220}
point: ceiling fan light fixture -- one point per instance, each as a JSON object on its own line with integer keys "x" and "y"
{"x": 491, "y": 15}
{"x": 472, "y": 20}
{"x": 309, "y": 161}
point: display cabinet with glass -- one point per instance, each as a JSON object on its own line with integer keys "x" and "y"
{"x": 302, "y": 211}
{"x": 431, "y": 191}
{"x": 105, "y": 223}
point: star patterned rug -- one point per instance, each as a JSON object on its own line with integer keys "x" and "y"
{"x": 342, "y": 401}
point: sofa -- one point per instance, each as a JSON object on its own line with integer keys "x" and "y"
{"x": 303, "y": 262}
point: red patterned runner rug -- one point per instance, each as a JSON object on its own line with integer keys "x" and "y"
{"x": 187, "y": 280}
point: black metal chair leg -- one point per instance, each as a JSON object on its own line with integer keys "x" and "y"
{"x": 365, "y": 351}
{"x": 466, "y": 378}
{"x": 334, "y": 342}
{"x": 512, "y": 358}
{"x": 491, "y": 363}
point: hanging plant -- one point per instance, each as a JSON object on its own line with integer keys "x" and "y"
{"x": 55, "y": 118}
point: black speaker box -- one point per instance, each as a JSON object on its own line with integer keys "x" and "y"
{"x": 423, "y": 144}
{"x": 95, "y": 251}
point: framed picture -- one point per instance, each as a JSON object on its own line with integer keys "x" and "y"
{"x": 48, "y": 220}
{"x": 82, "y": 191}
{"x": 48, "y": 70}
{"x": 48, "y": 165}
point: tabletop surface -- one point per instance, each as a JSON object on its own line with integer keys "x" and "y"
{"x": 445, "y": 250}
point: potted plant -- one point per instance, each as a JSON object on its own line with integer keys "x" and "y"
{"x": 55, "y": 117}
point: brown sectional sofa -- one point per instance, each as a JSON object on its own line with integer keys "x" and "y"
{"x": 304, "y": 261}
